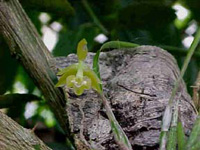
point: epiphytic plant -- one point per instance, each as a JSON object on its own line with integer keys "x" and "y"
{"x": 80, "y": 77}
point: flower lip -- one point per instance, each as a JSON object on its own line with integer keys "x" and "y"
{"x": 78, "y": 84}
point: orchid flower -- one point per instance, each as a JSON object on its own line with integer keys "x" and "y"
{"x": 79, "y": 76}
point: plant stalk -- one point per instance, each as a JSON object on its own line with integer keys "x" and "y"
{"x": 120, "y": 137}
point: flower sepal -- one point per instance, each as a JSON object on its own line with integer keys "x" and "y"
{"x": 79, "y": 76}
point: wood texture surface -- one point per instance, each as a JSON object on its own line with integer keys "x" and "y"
{"x": 15, "y": 137}
{"x": 138, "y": 83}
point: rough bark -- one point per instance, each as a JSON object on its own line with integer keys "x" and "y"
{"x": 15, "y": 137}
{"x": 138, "y": 83}
{"x": 26, "y": 46}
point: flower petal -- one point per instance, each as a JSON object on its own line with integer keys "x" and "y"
{"x": 78, "y": 90}
{"x": 86, "y": 83}
{"x": 95, "y": 81}
{"x": 70, "y": 81}
{"x": 82, "y": 49}
{"x": 72, "y": 69}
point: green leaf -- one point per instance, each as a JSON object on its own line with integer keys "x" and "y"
{"x": 118, "y": 45}
{"x": 195, "y": 134}
{"x": 172, "y": 137}
{"x": 115, "y": 129}
{"x": 110, "y": 45}
{"x": 96, "y": 62}
{"x": 180, "y": 136}
{"x": 82, "y": 50}
{"x": 163, "y": 139}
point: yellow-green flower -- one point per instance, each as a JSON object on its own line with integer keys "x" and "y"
{"x": 79, "y": 76}
{"x": 78, "y": 84}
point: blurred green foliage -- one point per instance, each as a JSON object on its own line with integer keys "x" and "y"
{"x": 142, "y": 22}
{"x": 8, "y": 67}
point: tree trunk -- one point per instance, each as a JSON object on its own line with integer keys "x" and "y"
{"x": 26, "y": 46}
{"x": 138, "y": 83}
{"x": 15, "y": 137}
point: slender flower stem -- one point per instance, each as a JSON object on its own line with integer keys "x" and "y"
{"x": 120, "y": 137}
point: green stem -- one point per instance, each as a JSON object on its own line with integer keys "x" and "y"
{"x": 118, "y": 45}
{"x": 120, "y": 137}
{"x": 195, "y": 134}
{"x": 180, "y": 136}
{"x": 93, "y": 16}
